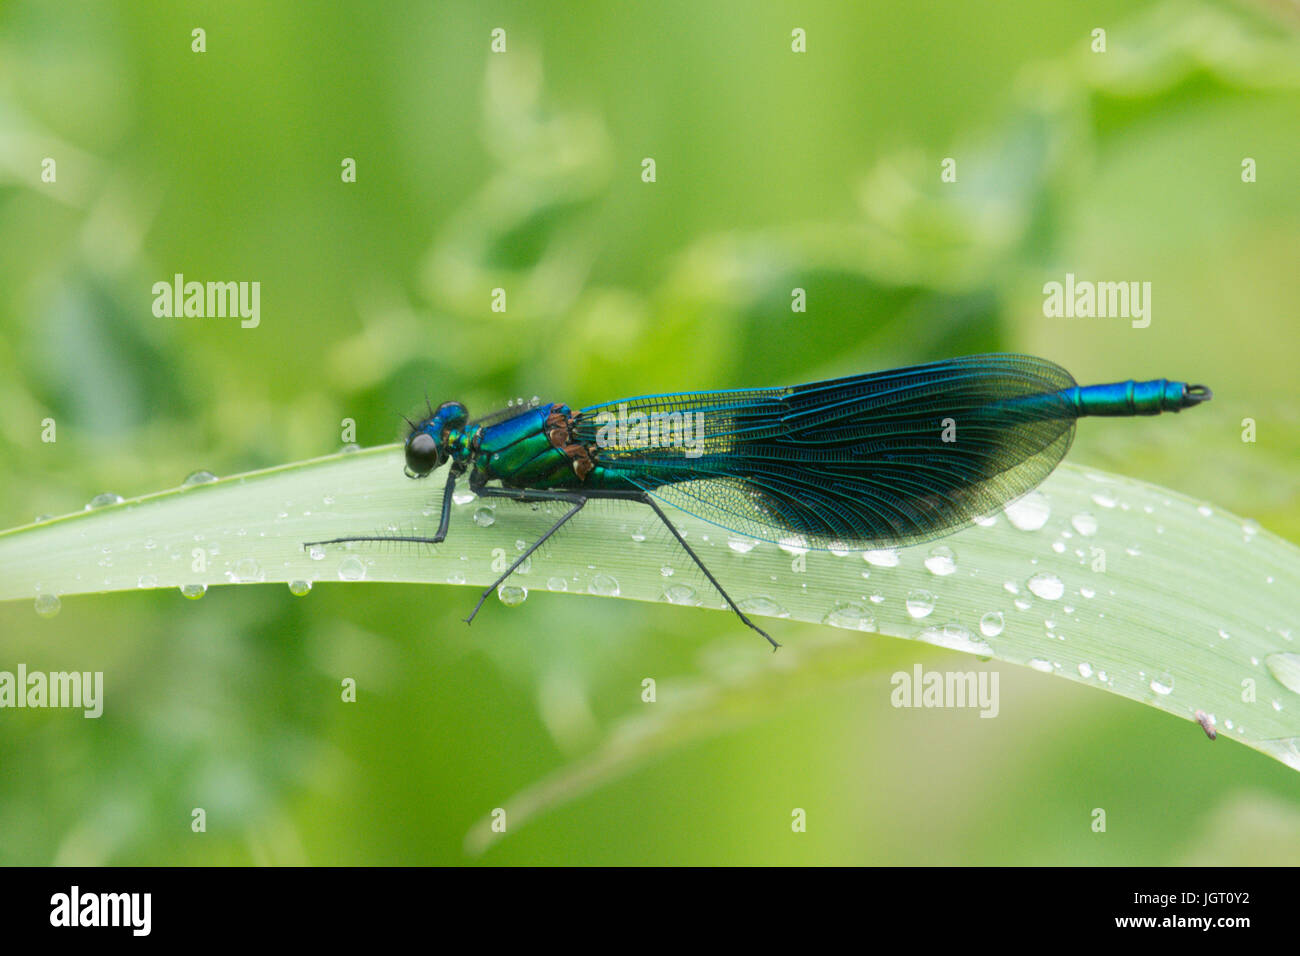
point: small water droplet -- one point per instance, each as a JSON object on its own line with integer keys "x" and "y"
{"x": 877, "y": 599}
{"x": 1047, "y": 586}
{"x": 351, "y": 448}
{"x": 1084, "y": 523}
{"x": 681, "y": 594}
{"x": 512, "y": 595}
{"x": 1038, "y": 664}
{"x": 882, "y": 557}
{"x": 147, "y": 581}
{"x": 484, "y": 517}
{"x": 1224, "y": 634}
{"x": 1029, "y": 512}
{"x": 638, "y": 536}
{"x": 557, "y": 584}
{"x": 1286, "y": 668}
{"x": 193, "y": 591}
{"x": 853, "y": 617}
{"x": 1086, "y": 591}
{"x": 762, "y": 604}
{"x": 47, "y": 605}
{"x": 41, "y": 518}
{"x": 793, "y": 544}
{"x": 941, "y": 561}
{"x": 920, "y": 603}
{"x": 104, "y": 500}
{"x": 1162, "y": 684}
{"x": 351, "y": 569}
{"x": 1104, "y": 498}
{"x": 316, "y": 552}
{"x": 198, "y": 478}
{"x": 462, "y": 496}
{"x": 992, "y": 623}
{"x": 604, "y": 585}
{"x": 1204, "y": 511}
{"x": 956, "y": 638}
{"x": 1085, "y": 670}
{"x": 246, "y": 570}
{"x": 667, "y": 571}
{"x": 741, "y": 545}
{"x": 299, "y": 587}
{"x": 1023, "y": 603}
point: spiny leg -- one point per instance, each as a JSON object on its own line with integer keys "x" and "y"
{"x": 439, "y": 536}
{"x": 577, "y": 500}
{"x": 707, "y": 573}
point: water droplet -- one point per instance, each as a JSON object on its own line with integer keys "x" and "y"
{"x": 193, "y": 591}
{"x": 147, "y": 581}
{"x": 1162, "y": 684}
{"x": 793, "y": 544}
{"x": 1224, "y": 634}
{"x": 316, "y": 552}
{"x": 246, "y": 571}
{"x": 955, "y": 638}
{"x": 1205, "y": 511}
{"x": 1087, "y": 592}
{"x": 1047, "y": 586}
{"x": 1023, "y": 603}
{"x": 47, "y": 605}
{"x": 941, "y": 561}
{"x": 853, "y": 617}
{"x": 638, "y": 536}
{"x": 1104, "y": 498}
{"x": 992, "y": 623}
{"x": 1029, "y": 512}
{"x": 1250, "y": 527}
{"x": 877, "y": 599}
{"x": 351, "y": 569}
{"x": 762, "y": 604}
{"x": 557, "y": 584}
{"x": 455, "y": 578}
{"x": 512, "y": 595}
{"x": 741, "y": 545}
{"x": 198, "y": 478}
{"x": 1085, "y": 670}
{"x": 1038, "y": 664}
{"x": 104, "y": 500}
{"x": 838, "y": 548}
{"x": 1084, "y": 523}
{"x": 1286, "y": 668}
{"x": 920, "y": 603}
{"x": 462, "y": 496}
{"x": 299, "y": 587}
{"x": 484, "y": 517}
{"x": 1133, "y": 551}
{"x": 667, "y": 571}
{"x": 681, "y": 594}
{"x": 41, "y": 518}
{"x": 987, "y": 521}
{"x": 881, "y": 558}
{"x": 1286, "y": 749}
{"x": 604, "y": 585}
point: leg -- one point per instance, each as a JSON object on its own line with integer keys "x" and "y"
{"x": 577, "y": 500}
{"x": 443, "y": 523}
{"x": 707, "y": 573}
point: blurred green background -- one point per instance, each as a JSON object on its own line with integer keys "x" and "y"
{"x": 522, "y": 170}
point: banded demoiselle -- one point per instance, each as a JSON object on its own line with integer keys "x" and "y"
{"x": 870, "y": 461}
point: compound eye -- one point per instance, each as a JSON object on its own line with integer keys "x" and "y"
{"x": 422, "y": 455}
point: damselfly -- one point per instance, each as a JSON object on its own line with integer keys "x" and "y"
{"x": 866, "y": 462}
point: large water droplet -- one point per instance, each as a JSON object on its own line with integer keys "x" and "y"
{"x": 299, "y": 587}
{"x": 47, "y": 605}
{"x": 992, "y": 623}
{"x": 316, "y": 552}
{"x": 764, "y": 605}
{"x": 741, "y": 545}
{"x": 920, "y": 603}
{"x": 1162, "y": 684}
{"x": 1084, "y": 523}
{"x": 881, "y": 558}
{"x": 104, "y": 500}
{"x": 198, "y": 478}
{"x": 956, "y": 638}
{"x": 941, "y": 561}
{"x": 194, "y": 591}
{"x": 1286, "y": 668}
{"x": 512, "y": 595}
{"x": 853, "y": 617}
{"x": 1085, "y": 670}
{"x": 1047, "y": 586}
{"x": 682, "y": 594}
{"x": 352, "y": 569}
{"x": 1038, "y": 664}
{"x": 1029, "y": 512}
{"x": 793, "y": 544}
{"x": 604, "y": 585}
{"x": 484, "y": 518}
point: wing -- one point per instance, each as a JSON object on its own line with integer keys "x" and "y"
{"x": 884, "y": 459}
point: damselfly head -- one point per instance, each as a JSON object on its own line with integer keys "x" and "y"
{"x": 427, "y": 444}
